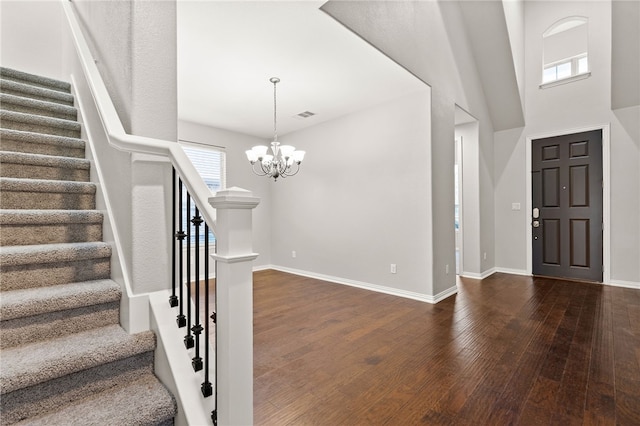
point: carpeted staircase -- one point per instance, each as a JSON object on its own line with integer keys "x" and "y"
{"x": 64, "y": 358}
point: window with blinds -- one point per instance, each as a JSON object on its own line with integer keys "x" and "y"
{"x": 209, "y": 161}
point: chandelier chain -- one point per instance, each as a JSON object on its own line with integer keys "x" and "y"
{"x": 275, "y": 117}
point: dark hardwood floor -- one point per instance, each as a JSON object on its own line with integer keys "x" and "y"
{"x": 504, "y": 350}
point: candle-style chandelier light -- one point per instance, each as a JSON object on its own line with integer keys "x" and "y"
{"x": 284, "y": 160}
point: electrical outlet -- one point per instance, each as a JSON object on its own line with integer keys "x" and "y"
{"x": 446, "y": 268}
{"x": 393, "y": 268}
{"x": 293, "y": 254}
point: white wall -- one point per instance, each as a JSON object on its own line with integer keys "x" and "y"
{"x": 509, "y": 165}
{"x": 239, "y": 174}
{"x": 563, "y": 108}
{"x": 134, "y": 45}
{"x": 31, "y": 37}
{"x": 514, "y": 16}
{"x": 107, "y": 28}
{"x": 360, "y": 201}
{"x": 625, "y": 54}
{"x": 438, "y": 52}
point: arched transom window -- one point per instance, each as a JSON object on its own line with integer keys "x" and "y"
{"x": 565, "y": 50}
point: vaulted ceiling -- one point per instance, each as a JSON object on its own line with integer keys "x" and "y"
{"x": 228, "y": 50}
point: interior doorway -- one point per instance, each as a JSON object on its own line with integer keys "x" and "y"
{"x": 466, "y": 199}
{"x": 457, "y": 173}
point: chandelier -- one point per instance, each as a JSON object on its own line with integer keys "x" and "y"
{"x": 283, "y": 161}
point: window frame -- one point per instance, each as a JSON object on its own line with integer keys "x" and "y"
{"x": 575, "y": 67}
{"x": 223, "y": 182}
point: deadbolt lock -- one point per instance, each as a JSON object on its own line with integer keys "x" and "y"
{"x": 536, "y": 223}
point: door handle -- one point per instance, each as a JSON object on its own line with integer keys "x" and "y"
{"x": 536, "y": 213}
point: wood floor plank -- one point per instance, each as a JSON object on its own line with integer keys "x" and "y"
{"x": 504, "y": 350}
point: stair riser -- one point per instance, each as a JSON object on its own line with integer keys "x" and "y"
{"x": 49, "y": 396}
{"x": 37, "y": 128}
{"x": 34, "y": 328}
{"x": 46, "y": 274}
{"x": 47, "y": 200}
{"x": 40, "y": 111}
{"x": 38, "y": 148}
{"x": 28, "y": 171}
{"x": 18, "y": 235}
{"x": 62, "y": 98}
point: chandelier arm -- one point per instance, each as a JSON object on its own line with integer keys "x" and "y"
{"x": 267, "y": 170}
{"x": 253, "y": 167}
{"x": 283, "y": 167}
{"x": 294, "y": 173}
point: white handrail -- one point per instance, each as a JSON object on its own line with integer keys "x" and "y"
{"x": 121, "y": 140}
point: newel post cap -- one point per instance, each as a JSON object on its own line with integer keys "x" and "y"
{"x": 234, "y": 198}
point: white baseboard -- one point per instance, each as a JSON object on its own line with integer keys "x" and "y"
{"x": 512, "y": 271}
{"x": 262, "y": 268}
{"x": 480, "y": 276}
{"x": 366, "y": 286}
{"x": 621, "y": 283}
{"x": 444, "y": 294}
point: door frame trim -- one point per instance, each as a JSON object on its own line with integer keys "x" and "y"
{"x": 606, "y": 182}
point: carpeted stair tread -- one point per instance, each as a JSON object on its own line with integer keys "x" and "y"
{"x": 35, "y": 363}
{"x": 27, "y": 78}
{"x": 48, "y": 217}
{"x": 46, "y": 185}
{"x": 34, "y": 92}
{"x": 47, "y": 167}
{"x": 144, "y": 401}
{"x": 36, "y": 301}
{"x": 31, "y": 142}
{"x": 35, "y": 106}
{"x": 46, "y": 194}
{"x": 39, "y": 124}
{"x": 53, "y": 253}
{"x": 51, "y": 396}
{"x": 31, "y": 227}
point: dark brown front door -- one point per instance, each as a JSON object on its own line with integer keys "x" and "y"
{"x": 567, "y": 206}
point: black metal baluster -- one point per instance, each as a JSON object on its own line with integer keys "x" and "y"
{"x": 196, "y": 361}
{"x": 214, "y": 318}
{"x": 206, "y": 387}
{"x": 180, "y": 236}
{"x": 188, "y": 339}
{"x": 173, "y": 299}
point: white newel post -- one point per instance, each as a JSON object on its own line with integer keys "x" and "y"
{"x": 234, "y": 281}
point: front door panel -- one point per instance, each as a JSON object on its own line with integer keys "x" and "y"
{"x": 567, "y": 191}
